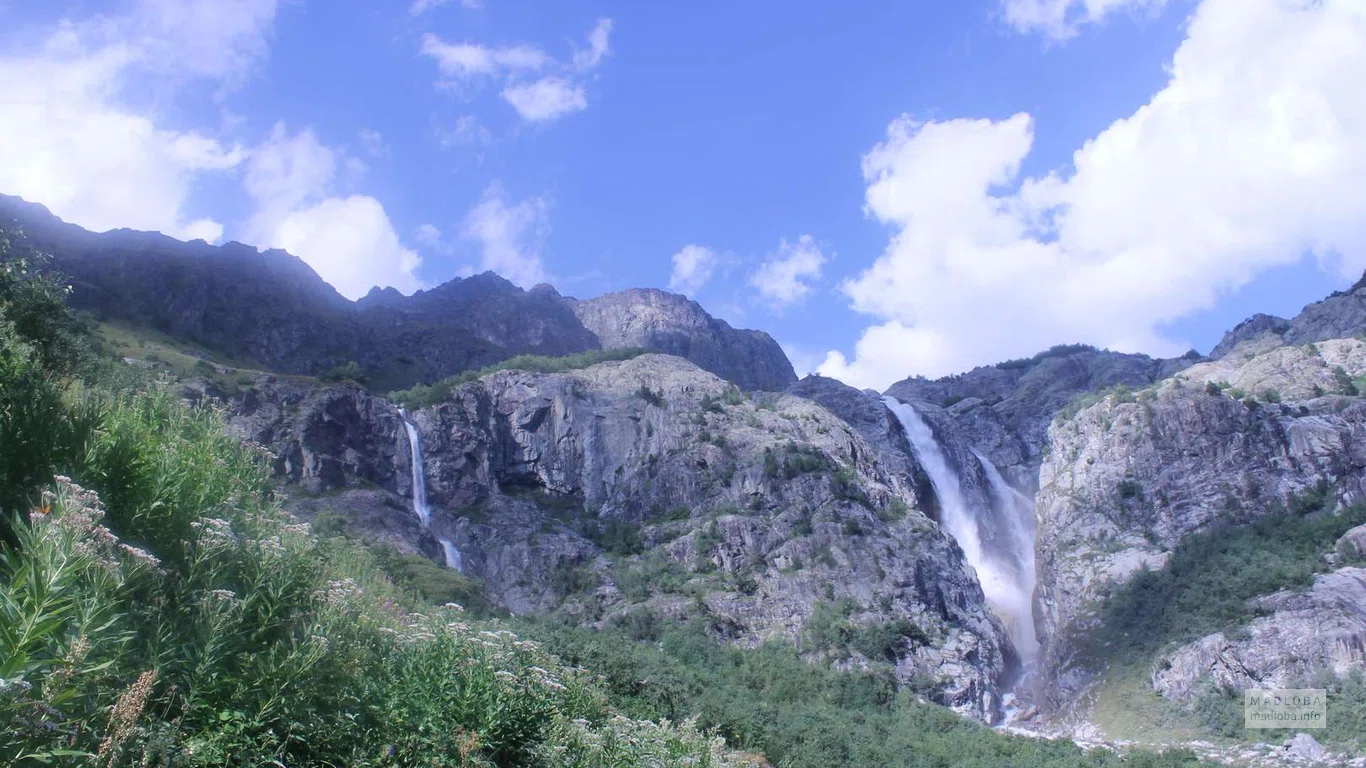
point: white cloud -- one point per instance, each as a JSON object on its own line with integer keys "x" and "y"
{"x": 597, "y": 46}
{"x": 693, "y": 267}
{"x": 466, "y": 131}
{"x": 69, "y": 140}
{"x": 1253, "y": 153}
{"x": 373, "y": 143}
{"x": 537, "y": 98}
{"x": 348, "y": 240}
{"x": 420, "y": 7}
{"x": 546, "y": 99}
{"x": 466, "y": 60}
{"x": 428, "y": 235}
{"x": 784, "y": 279}
{"x": 509, "y": 236}
{"x": 1060, "y": 19}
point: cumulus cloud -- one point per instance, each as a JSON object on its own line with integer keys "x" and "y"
{"x": 1251, "y": 155}
{"x": 420, "y": 7}
{"x": 591, "y": 56}
{"x": 786, "y": 278}
{"x": 466, "y": 60}
{"x": 546, "y": 99}
{"x": 693, "y": 268}
{"x": 347, "y": 239}
{"x": 509, "y": 236}
{"x": 69, "y": 140}
{"x": 1060, "y": 19}
{"x": 537, "y": 98}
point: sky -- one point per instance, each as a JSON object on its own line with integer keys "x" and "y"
{"x": 888, "y": 188}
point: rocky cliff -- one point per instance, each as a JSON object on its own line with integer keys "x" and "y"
{"x": 1223, "y": 441}
{"x": 271, "y": 310}
{"x": 652, "y": 490}
{"x": 1004, "y": 410}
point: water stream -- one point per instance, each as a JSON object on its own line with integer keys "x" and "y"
{"x": 424, "y": 513}
{"x": 1006, "y": 570}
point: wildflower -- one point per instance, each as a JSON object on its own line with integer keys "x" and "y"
{"x": 123, "y": 718}
{"x": 140, "y": 555}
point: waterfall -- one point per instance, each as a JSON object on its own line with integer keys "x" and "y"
{"x": 1008, "y": 590}
{"x": 424, "y": 514}
{"x": 1018, "y": 511}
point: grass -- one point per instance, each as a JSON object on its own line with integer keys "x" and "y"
{"x": 424, "y": 395}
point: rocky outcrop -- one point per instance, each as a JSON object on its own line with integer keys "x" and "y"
{"x": 1004, "y": 410}
{"x": 1341, "y": 315}
{"x": 1127, "y": 478}
{"x": 271, "y": 310}
{"x": 1321, "y": 628}
{"x": 651, "y": 490}
{"x": 1251, "y": 328}
{"x": 675, "y": 325}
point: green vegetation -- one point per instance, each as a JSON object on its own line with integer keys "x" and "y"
{"x": 423, "y": 395}
{"x": 1206, "y": 587}
{"x": 772, "y": 702}
{"x": 349, "y": 371}
{"x": 1211, "y": 575}
{"x": 158, "y": 608}
{"x": 651, "y": 397}
{"x": 1120, "y": 392}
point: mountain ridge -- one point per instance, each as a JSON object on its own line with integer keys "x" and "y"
{"x": 272, "y": 308}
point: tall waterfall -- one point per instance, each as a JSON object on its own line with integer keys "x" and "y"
{"x": 424, "y": 513}
{"x": 1008, "y": 589}
{"x": 1017, "y": 510}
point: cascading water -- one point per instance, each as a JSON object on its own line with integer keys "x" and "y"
{"x": 1017, "y": 510}
{"x": 1008, "y": 588}
{"x": 424, "y": 514}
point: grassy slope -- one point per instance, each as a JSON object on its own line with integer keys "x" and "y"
{"x": 1205, "y": 588}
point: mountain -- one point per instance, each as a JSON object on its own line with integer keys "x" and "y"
{"x": 1088, "y": 544}
{"x": 272, "y": 310}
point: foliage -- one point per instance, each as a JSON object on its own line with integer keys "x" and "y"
{"x": 650, "y": 396}
{"x": 1206, "y": 584}
{"x": 424, "y": 395}
{"x": 160, "y": 609}
{"x": 771, "y": 701}
{"x": 349, "y": 371}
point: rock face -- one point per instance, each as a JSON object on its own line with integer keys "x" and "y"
{"x": 1341, "y": 315}
{"x": 1004, "y": 410}
{"x": 652, "y": 490}
{"x": 674, "y": 325}
{"x": 1127, "y": 478}
{"x": 271, "y": 310}
{"x": 1321, "y": 628}
{"x": 1250, "y": 328}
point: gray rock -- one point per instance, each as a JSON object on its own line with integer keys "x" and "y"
{"x": 1125, "y": 481}
{"x": 1321, "y": 628}
{"x": 1352, "y": 545}
{"x": 1251, "y": 328}
{"x": 1341, "y": 315}
{"x": 651, "y": 485}
{"x": 272, "y": 310}
{"x": 1004, "y": 410}
{"x": 675, "y": 325}
{"x": 1304, "y": 746}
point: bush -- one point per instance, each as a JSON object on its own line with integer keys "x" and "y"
{"x": 423, "y": 395}
{"x": 1207, "y": 582}
{"x": 650, "y": 396}
{"x": 349, "y": 371}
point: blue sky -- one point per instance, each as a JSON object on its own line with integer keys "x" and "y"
{"x": 887, "y": 188}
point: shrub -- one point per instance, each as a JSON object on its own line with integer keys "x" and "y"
{"x": 348, "y": 371}
{"x": 423, "y": 395}
{"x": 650, "y": 396}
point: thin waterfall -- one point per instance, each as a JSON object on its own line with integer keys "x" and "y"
{"x": 1017, "y": 510}
{"x": 424, "y": 514}
{"x": 1004, "y": 585}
